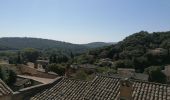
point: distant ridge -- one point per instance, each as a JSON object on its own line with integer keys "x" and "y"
{"x": 17, "y": 43}
{"x": 98, "y": 44}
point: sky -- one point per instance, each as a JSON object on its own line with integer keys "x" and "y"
{"x": 82, "y": 21}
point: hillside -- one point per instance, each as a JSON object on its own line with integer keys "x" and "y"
{"x": 20, "y": 43}
{"x": 139, "y": 51}
{"x": 97, "y": 44}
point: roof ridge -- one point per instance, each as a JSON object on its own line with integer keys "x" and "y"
{"x": 150, "y": 82}
{"x": 75, "y": 79}
{"x": 110, "y": 76}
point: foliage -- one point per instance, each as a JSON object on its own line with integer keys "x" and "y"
{"x": 12, "y": 60}
{"x": 58, "y": 69}
{"x": 25, "y": 55}
{"x": 151, "y": 68}
{"x": 58, "y": 58}
{"x": 44, "y": 45}
{"x": 139, "y": 51}
{"x": 7, "y": 75}
{"x": 30, "y": 54}
{"x": 105, "y": 70}
{"x": 97, "y": 44}
{"x": 157, "y": 76}
{"x": 124, "y": 64}
{"x": 81, "y": 75}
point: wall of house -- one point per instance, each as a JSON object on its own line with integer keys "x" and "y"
{"x": 25, "y": 94}
{"x": 166, "y": 71}
{"x": 8, "y": 97}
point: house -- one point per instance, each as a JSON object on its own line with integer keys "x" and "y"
{"x": 126, "y": 72}
{"x": 5, "y": 92}
{"x": 100, "y": 88}
{"x": 41, "y": 65}
{"x": 104, "y": 88}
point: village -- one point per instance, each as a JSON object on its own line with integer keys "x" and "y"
{"x": 34, "y": 78}
{"x": 84, "y": 50}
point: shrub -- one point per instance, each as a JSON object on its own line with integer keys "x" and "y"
{"x": 81, "y": 75}
{"x": 58, "y": 69}
{"x": 8, "y": 75}
{"x": 157, "y": 76}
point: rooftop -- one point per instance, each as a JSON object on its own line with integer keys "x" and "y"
{"x": 101, "y": 88}
{"x": 4, "y": 89}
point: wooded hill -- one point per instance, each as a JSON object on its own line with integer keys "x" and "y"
{"x": 44, "y": 44}
{"x": 97, "y": 44}
{"x": 138, "y": 51}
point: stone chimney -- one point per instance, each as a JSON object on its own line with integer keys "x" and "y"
{"x": 125, "y": 89}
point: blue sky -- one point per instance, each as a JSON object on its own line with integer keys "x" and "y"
{"x": 82, "y": 21}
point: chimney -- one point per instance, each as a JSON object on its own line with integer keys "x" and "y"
{"x": 125, "y": 89}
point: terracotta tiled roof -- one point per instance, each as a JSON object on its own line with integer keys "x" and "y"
{"x": 4, "y": 89}
{"x": 65, "y": 89}
{"x": 102, "y": 88}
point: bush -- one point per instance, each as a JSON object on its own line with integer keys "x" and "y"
{"x": 81, "y": 75}
{"x": 124, "y": 64}
{"x": 58, "y": 69}
{"x": 8, "y": 75}
{"x": 105, "y": 70}
{"x": 157, "y": 76}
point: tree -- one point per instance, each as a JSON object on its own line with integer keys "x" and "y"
{"x": 81, "y": 75}
{"x": 157, "y": 76}
{"x": 12, "y": 77}
{"x": 31, "y": 54}
{"x": 124, "y": 64}
{"x": 71, "y": 55}
{"x": 140, "y": 63}
{"x": 7, "y": 75}
{"x": 58, "y": 69}
{"x": 19, "y": 60}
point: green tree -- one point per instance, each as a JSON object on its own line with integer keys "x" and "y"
{"x": 11, "y": 78}
{"x": 157, "y": 76}
{"x": 31, "y": 54}
{"x": 19, "y": 60}
{"x": 71, "y": 55}
{"x": 58, "y": 69}
{"x": 81, "y": 75}
{"x": 7, "y": 75}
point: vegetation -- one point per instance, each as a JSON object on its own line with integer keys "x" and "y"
{"x": 157, "y": 76}
{"x": 58, "y": 69}
{"x": 45, "y": 45}
{"x": 7, "y": 75}
{"x": 29, "y": 54}
{"x": 81, "y": 75}
{"x": 25, "y": 55}
{"x": 138, "y": 51}
{"x": 58, "y": 58}
{"x": 106, "y": 70}
{"x": 97, "y": 44}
